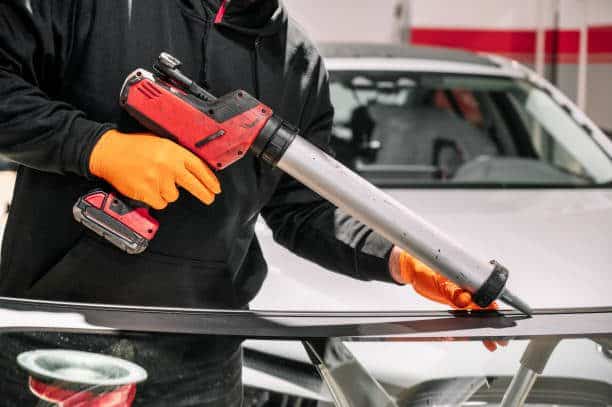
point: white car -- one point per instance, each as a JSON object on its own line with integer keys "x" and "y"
{"x": 494, "y": 155}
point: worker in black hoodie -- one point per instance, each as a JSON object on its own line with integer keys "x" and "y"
{"x": 62, "y": 63}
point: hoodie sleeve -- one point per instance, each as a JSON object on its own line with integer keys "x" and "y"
{"x": 36, "y": 129}
{"x": 313, "y": 228}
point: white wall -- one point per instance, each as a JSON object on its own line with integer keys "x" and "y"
{"x": 504, "y": 14}
{"x": 598, "y": 12}
{"x": 474, "y": 13}
{"x": 346, "y": 20}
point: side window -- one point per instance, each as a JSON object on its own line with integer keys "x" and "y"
{"x": 547, "y": 147}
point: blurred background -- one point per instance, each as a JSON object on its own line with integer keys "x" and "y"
{"x": 568, "y": 41}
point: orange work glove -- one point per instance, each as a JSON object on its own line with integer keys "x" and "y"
{"x": 432, "y": 285}
{"x": 148, "y": 169}
{"x": 436, "y": 287}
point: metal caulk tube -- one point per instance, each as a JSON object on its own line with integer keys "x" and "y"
{"x": 350, "y": 192}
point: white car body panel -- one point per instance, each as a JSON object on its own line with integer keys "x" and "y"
{"x": 526, "y": 230}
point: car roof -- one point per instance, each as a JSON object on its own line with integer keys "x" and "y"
{"x": 389, "y": 57}
{"x": 390, "y": 51}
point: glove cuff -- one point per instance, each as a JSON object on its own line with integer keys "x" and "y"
{"x": 407, "y": 265}
{"x": 99, "y": 153}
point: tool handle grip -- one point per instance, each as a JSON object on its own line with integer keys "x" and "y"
{"x": 220, "y": 131}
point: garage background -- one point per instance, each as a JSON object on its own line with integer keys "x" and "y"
{"x": 568, "y": 41}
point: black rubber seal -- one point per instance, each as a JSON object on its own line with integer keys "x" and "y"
{"x": 273, "y": 140}
{"x": 265, "y": 135}
{"x": 493, "y": 287}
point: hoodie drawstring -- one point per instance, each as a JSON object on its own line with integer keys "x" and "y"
{"x": 221, "y": 12}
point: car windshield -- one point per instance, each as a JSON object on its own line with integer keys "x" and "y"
{"x": 406, "y": 129}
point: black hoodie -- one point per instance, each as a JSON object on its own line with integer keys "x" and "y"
{"x": 62, "y": 63}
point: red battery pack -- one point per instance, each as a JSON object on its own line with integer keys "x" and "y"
{"x": 127, "y": 226}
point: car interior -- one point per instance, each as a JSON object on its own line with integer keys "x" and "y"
{"x": 399, "y": 130}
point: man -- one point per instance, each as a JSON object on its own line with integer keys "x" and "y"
{"x": 62, "y": 63}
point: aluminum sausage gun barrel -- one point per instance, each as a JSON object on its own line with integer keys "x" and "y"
{"x": 293, "y": 154}
{"x": 221, "y": 130}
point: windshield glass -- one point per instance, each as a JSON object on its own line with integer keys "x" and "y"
{"x": 404, "y": 128}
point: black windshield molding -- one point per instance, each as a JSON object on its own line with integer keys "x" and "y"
{"x": 18, "y": 315}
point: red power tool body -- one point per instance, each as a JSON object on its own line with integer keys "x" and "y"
{"x": 218, "y": 130}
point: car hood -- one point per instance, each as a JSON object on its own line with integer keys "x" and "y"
{"x": 556, "y": 244}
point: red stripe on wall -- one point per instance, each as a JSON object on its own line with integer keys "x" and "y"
{"x": 520, "y": 44}
{"x": 567, "y": 41}
{"x": 600, "y": 39}
{"x": 496, "y": 41}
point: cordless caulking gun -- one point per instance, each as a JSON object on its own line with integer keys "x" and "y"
{"x": 222, "y": 130}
